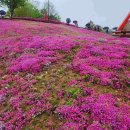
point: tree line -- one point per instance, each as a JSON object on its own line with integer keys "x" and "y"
{"x": 24, "y": 8}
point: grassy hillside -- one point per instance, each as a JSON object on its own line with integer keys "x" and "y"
{"x": 57, "y": 77}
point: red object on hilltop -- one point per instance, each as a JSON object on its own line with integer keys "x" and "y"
{"x": 46, "y": 16}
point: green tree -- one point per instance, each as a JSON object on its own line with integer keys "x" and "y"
{"x": 53, "y": 15}
{"x": 28, "y": 10}
{"x": 12, "y": 4}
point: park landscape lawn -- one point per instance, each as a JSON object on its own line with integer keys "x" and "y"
{"x": 58, "y": 77}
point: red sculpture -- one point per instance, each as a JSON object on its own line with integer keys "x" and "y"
{"x": 124, "y": 28}
{"x": 46, "y": 16}
{"x": 125, "y": 21}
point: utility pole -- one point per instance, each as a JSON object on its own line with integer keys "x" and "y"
{"x": 48, "y": 11}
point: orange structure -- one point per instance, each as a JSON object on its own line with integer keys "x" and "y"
{"x": 125, "y": 21}
{"x": 124, "y": 28}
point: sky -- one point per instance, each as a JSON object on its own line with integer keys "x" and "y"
{"x": 101, "y": 12}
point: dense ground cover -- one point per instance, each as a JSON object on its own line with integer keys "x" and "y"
{"x": 62, "y": 78}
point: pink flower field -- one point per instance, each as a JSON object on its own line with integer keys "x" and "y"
{"x": 59, "y": 77}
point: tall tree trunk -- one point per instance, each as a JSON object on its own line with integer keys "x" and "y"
{"x": 11, "y": 10}
{"x": 11, "y": 14}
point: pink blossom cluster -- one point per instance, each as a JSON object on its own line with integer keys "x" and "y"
{"x": 92, "y": 112}
{"x": 31, "y": 54}
{"x": 28, "y": 48}
{"x": 104, "y": 63}
{"x": 17, "y": 97}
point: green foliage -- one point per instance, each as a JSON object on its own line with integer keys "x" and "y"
{"x": 68, "y": 58}
{"x": 69, "y": 103}
{"x": 53, "y": 15}
{"x": 12, "y": 4}
{"x": 7, "y": 14}
{"x": 28, "y": 10}
{"x": 75, "y": 48}
{"x": 52, "y": 9}
{"x": 63, "y": 85}
{"x": 22, "y": 8}
{"x": 39, "y": 77}
{"x": 128, "y": 85}
{"x": 55, "y": 102}
{"x": 86, "y": 77}
{"x": 73, "y": 91}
